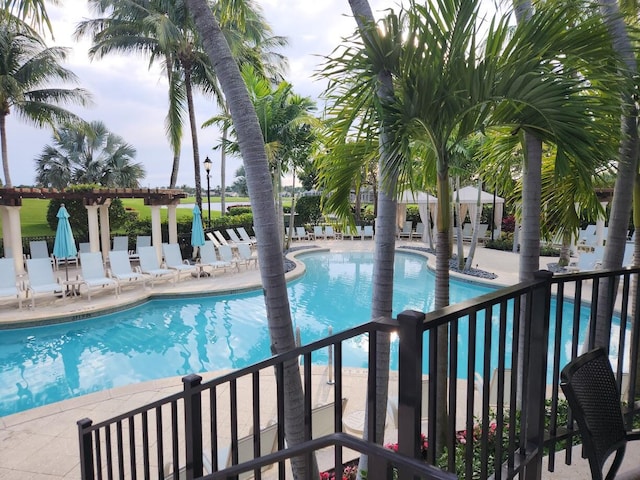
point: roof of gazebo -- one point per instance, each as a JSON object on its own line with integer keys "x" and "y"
{"x": 95, "y": 196}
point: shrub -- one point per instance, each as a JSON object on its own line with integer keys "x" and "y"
{"x": 308, "y": 210}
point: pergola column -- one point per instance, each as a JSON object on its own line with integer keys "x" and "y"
{"x": 94, "y": 229}
{"x": 173, "y": 223}
{"x": 105, "y": 229}
{"x": 12, "y": 235}
{"x": 600, "y": 227}
{"x": 156, "y": 231}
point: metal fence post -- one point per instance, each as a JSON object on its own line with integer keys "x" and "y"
{"x": 536, "y": 371}
{"x": 86, "y": 449}
{"x": 193, "y": 426}
{"x": 409, "y": 382}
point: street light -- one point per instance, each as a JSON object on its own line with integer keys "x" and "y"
{"x": 207, "y": 168}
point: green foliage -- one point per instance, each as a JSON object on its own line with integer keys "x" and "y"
{"x": 413, "y": 214}
{"x": 231, "y": 221}
{"x": 78, "y": 217}
{"x": 308, "y": 210}
{"x": 238, "y": 210}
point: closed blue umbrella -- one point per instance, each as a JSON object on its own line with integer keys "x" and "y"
{"x": 197, "y": 232}
{"x": 64, "y": 246}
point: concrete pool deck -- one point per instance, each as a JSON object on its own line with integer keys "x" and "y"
{"x": 42, "y": 443}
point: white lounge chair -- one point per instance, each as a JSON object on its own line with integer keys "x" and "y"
{"x": 93, "y": 274}
{"x": 246, "y": 256}
{"x": 41, "y": 279}
{"x": 355, "y": 232}
{"x": 329, "y": 232}
{"x": 150, "y": 265}
{"x": 208, "y": 258}
{"x": 121, "y": 269}
{"x": 141, "y": 241}
{"x": 174, "y": 261}
{"x": 226, "y": 255}
{"x": 220, "y": 237}
{"x": 233, "y": 236}
{"x": 301, "y": 233}
{"x": 268, "y": 444}
{"x": 121, "y": 243}
{"x": 84, "y": 247}
{"x": 9, "y": 285}
{"x": 407, "y": 230}
{"x": 392, "y": 405}
{"x": 367, "y": 232}
{"x": 318, "y": 232}
{"x": 213, "y": 239}
{"x": 40, "y": 249}
{"x": 245, "y": 236}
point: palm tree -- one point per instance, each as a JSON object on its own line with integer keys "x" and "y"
{"x": 164, "y": 31}
{"x": 32, "y": 11}
{"x": 30, "y": 76}
{"x": 88, "y": 154}
{"x": 251, "y": 146}
{"x": 286, "y": 123}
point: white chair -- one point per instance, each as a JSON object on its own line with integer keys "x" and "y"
{"x": 41, "y": 279}
{"x": 120, "y": 268}
{"x": 213, "y": 239}
{"x": 150, "y": 265}
{"x": 392, "y": 405}
{"x": 208, "y": 258}
{"x": 141, "y": 241}
{"x": 318, "y": 232}
{"x": 93, "y": 274}
{"x": 246, "y": 256}
{"x": 39, "y": 249}
{"x": 233, "y": 236}
{"x": 84, "y": 247}
{"x": 226, "y": 255}
{"x": 220, "y": 237}
{"x": 355, "y": 232}
{"x": 268, "y": 444}
{"x": 407, "y": 230}
{"x": 329, "y": 233}
{"x": 174, "y": 261}
{"x": 245, "y": 236}
{"x": 467, "y": 232}
{"x": 367, "y": 232}
{"x": 121, "y": 243}
{"x": 9, "y": 285}
{"x": 301, "y": 233}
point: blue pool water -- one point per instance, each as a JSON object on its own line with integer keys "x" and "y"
{"x": 164, "y": 338}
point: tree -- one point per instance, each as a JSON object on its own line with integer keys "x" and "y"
{"x": 88, "y": 153}
{"x": 28, "y": 72}
{"x": 254, "y": 157}
{"x": 32, "y": 11}
{"x": 286, "y": 123}
{"x": 240, "y": 184}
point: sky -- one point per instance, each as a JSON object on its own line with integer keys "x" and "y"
{"x": 131, "y": 99}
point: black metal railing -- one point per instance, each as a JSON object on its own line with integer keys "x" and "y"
{"x": 502, "y": 355}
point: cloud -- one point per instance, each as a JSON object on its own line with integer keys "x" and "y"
{"x": 132, "y": 100}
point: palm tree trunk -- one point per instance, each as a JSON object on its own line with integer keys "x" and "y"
{"x": 223, "y": 171}
{"x": 627, "y": 170}
{"x": 194, "y": 137}
{"x": 5, "y": 155}
{"x": 382, "y": 295}
{"x": 251, "y": 145}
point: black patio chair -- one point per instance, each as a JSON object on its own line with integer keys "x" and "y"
{"x": 592, "y": 392}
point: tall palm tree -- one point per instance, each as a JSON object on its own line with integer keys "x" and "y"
{"x": 88, "y": 154}
{"x": 163, "y": 30}
{"x": 627, "y": 164}
{"x": 30, "y": 77}
{"x": 32, "y": 11}
{"x": 247, "y": 126}
{"x": 286, "y": 122}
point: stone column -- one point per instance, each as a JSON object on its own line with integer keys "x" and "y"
{"x": 173, "y": 223}
{"x": 156, "y": 231}
{"x": 12, "y": 235}
{"x": 105, "y": 229}
{"x": 94, "y": 229}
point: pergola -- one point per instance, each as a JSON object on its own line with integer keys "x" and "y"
{"x": 97, "y": 202}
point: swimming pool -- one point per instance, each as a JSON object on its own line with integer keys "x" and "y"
{"x": 164, "y": 338}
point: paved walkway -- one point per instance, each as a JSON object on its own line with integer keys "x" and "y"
{"x": 42, "y": 443}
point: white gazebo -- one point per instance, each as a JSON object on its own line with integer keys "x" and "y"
{"x": 427, "y": 204}
{"x": 469, "y": 203}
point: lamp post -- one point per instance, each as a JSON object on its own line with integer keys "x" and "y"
{"x": 207, "y": 168}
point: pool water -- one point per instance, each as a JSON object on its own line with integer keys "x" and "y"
{"x": 164, "y": 338}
